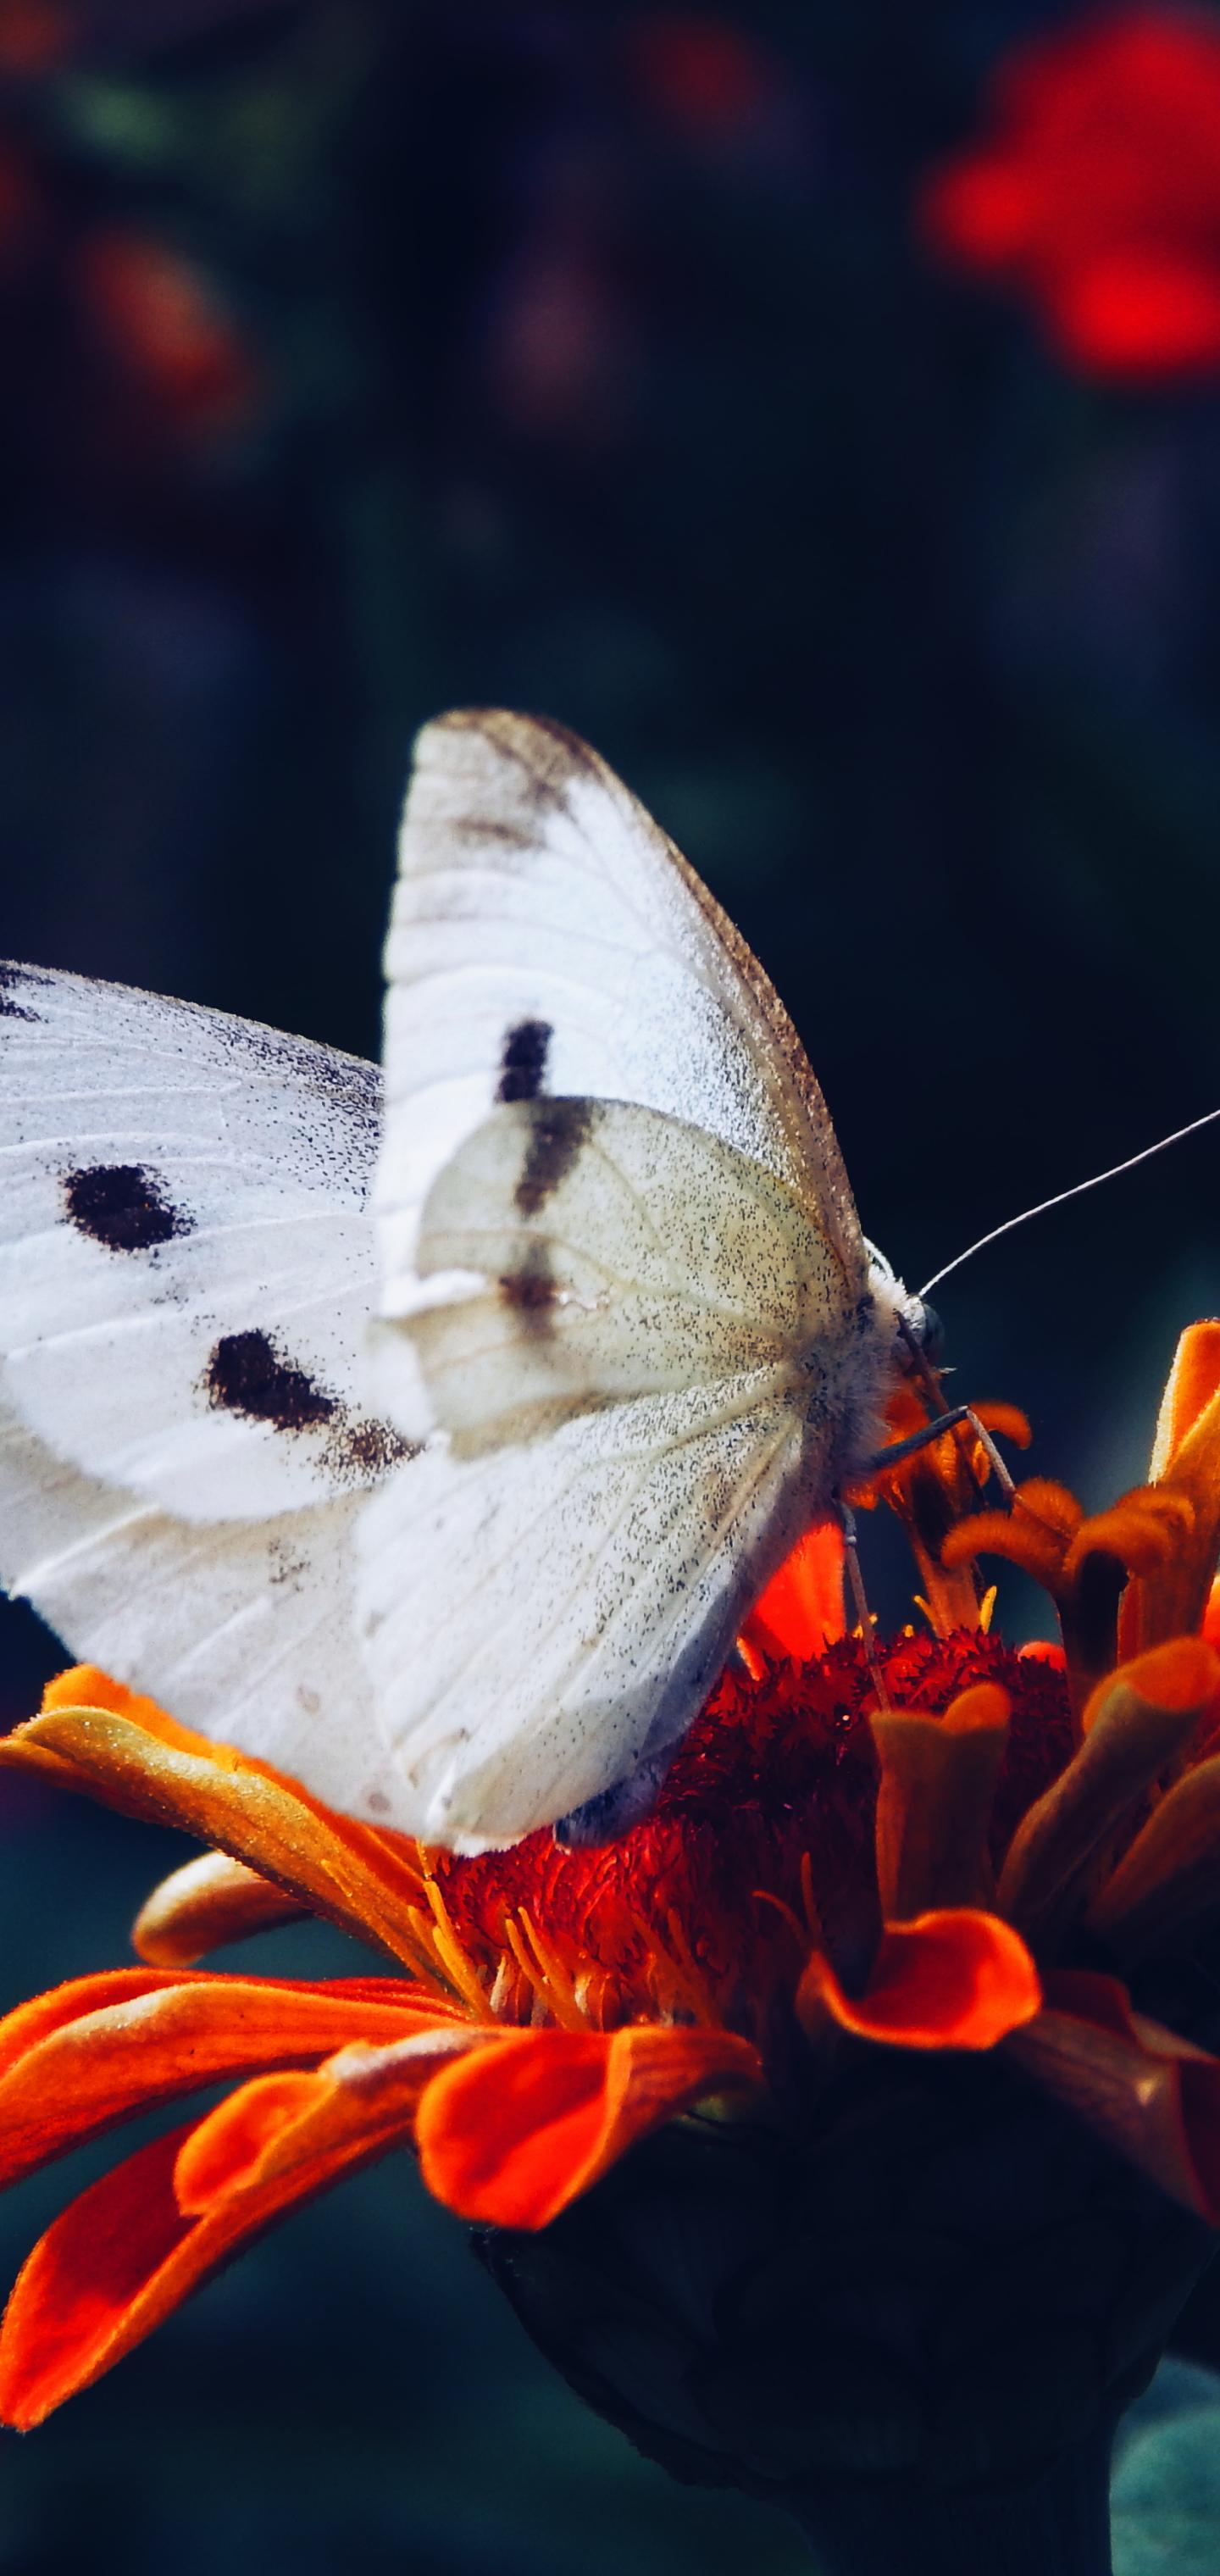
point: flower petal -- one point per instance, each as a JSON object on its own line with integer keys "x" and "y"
{"x": 1035, "y": 1534}
{"x": 929, "y": 1492}
{"x": 71, "y": 2308}
{"x": 938, "y": 1777}
{"x": 954, "y": 1979}
{"x": 281, "y": 2123}
{"x": 87, "y": 1686}
{"x": 350, "y": 1873}
{"x": 29, "y": 2022}
{"x": 801, "y": 1611}
{"x": 1172, "y": 1600}
{"x": 209, "y": 1901}
{"x": 1193, "y": 1381}
{"x": 125, "y": 2254}
{"x": 1168, "y": 1882}
{"x": 1146, "y": 1712}
{"x": 515, "y": 2132}
{"x": 132, "y": 2051}
{"x": 1153, "y": 2097}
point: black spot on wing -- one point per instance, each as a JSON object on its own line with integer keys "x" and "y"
{"x": 361, "y": 1451}
{"x": 531, "y": 1291}
{"x": 15, "y": 980}
{"x": 559, "y": 1129}
{"x": 528, "y": 1291}
{"x": 523, "y": 1061}
{"x": 247, "y": 1375}
{"x": 122, "y": 1206}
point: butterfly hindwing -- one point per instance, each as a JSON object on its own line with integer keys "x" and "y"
{"x": 540, "y": 1621}
{"x": 583, "y": 1252}
{"x": 548, "y": 940}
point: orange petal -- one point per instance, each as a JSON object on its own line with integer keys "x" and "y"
{"x": 1181, "y": 1675}
{"x": 360, "y": 2101}
{"x": 1193, "y": 1380}
{"x": 1137, "y": 1720}
{"x": 954, "y": 1979}
{"x": 30, "y": 2021}
{"x": 1007, "y": 1419}
{"x": 347, "y": 1872}
{"x": 515, "y": 2132}
{"x": 130, "y": 2052}
{"x": 1186, "y": 1463}
{"x": 1167, "y": 1883}
{"x": 99, "y": 2263}
{"x": 209, "y": 1901}
{"x": 125, "y": 2254}
{"x": 801, "y": 1611}
{"x": 1154, "y": 2098}
{"x": 87, "y": 1686}
{"x": 1211, "y": 1615}
{"x": 1141, "y": 1530}
{"x": 223, "y": 2154}
{"x": 938, "y": 1777}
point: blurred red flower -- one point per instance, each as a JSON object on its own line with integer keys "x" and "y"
{"x": 702, "y": 75}
{"x": 35, "y": 36}
{"x": 1095, "y": 193}
{"x": 163, "y": 322}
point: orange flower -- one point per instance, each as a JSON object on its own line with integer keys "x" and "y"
{"x": 832, "y": 1889}
{"x": 558, "y": 2005}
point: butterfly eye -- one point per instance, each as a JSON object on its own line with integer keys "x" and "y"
{"x": 926, "y": 1328}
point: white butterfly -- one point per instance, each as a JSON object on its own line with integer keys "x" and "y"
{"x": 438, "y": 1457}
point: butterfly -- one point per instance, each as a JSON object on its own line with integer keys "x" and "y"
{"x": 432, "y": 1439}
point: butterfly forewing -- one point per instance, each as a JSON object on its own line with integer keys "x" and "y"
{"x": 186, "y": 1258}
{"x": 243, "y": 1630}
{"x": 186, "y": 1274}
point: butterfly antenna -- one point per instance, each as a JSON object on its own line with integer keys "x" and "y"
{"x": 1076, "y": 1192}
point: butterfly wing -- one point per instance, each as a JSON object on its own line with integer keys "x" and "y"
{"x": 243, "y": 1629}
{"x": 548, "y": 940}
{"x": 542, "y": 1623}
{"x": 186, "y": 1270}
{"x": 623, "y": 1277}
{"x": 186, "y": 1257}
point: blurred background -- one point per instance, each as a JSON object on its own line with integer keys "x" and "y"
{"x": 818, "y": 407}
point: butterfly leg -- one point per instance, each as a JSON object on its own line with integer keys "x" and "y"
{"x": 899, "y": 1449}
{"x": 860, "y": 1602}
{"x": 921, "y": 1367}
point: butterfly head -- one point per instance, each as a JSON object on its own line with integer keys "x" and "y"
{"x": 919, "y": 1334}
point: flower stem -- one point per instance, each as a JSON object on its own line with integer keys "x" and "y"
{"x": 1060, "y": 2527}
